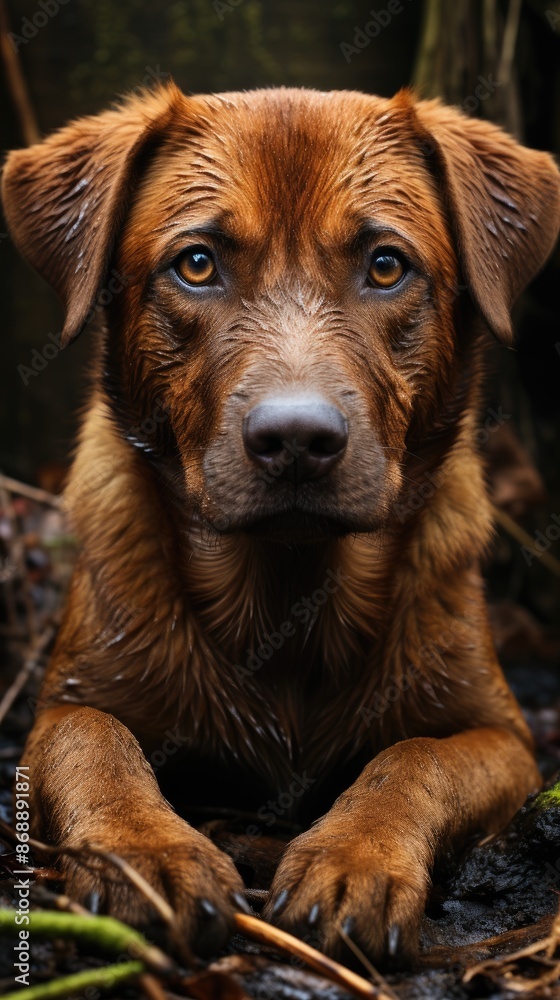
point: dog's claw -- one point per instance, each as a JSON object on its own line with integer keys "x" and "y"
{"x": 279, "y": 902}
{"x": 213, "y": 929}
{"x": 393, "y": 935}
{"x": 241, "y": 903}
{"x": 207, "y": 909}
{"x": 313, "y": 915}
{"x": 92, "y": 902}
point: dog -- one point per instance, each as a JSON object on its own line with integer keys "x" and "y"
{"x": 278, "y": 496}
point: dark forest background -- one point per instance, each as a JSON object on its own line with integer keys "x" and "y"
{"x": 86, "y": 52}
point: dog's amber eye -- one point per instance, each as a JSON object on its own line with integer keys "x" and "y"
{"x": 196, "y": 266}
{"x": 386, "y": 269}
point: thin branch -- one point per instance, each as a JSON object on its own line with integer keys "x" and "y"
{"x": 25, "y": 490}
{"x": 30, "y": 663}
{"x": 258, "y": 930}
{"x": 509, "y": 41}
{"x": 160, "y": 904}
{"x": 430, "y": 42}
{"x": 16, "y": 83}
{"x": 513, "y": 528}
{"x": 376, "y": 976}
{"x": 441, "y": 956}
{"x": 502, "y": 968}
{"x": 151, "y": 987}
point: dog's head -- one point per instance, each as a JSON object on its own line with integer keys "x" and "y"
{"x": 285, "y": 276}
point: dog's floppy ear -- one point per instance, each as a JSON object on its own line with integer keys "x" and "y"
{"x": 503, "y": 202}
{"x": 65, "y": 198}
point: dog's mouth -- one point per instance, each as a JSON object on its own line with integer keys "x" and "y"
{"x": 293, "y": 524}
{"x": 297, "y": 527}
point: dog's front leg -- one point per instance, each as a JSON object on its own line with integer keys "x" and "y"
{"x": 92, "y": 784}
{"x": 366, "y": 864}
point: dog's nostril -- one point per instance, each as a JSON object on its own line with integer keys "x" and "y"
{"x": 268, "y": 445}
{"x": 329, "y": 444}
{"x": 295, "y": 437}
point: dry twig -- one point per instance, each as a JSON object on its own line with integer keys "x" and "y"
{"x": 16, "y": 82}
{"x": 441, "y": 956}
{"x": 376, "y": 976}
{"x": 266, "y": 934}
{"x": 504, "y": 972}
{"x": 516, "y": 531}
{"x": 31, "y": 492}
{"x": 158, "y": 902}
{"x": 30, "y": 663}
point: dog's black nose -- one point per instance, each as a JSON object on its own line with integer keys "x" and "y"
{"x": 295, "y": 437}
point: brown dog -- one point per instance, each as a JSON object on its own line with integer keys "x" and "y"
{"x": 277, "y": 492}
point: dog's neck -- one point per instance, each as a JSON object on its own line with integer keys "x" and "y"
{"x": 326, "y": 599}
{"x": 244, "y": 588}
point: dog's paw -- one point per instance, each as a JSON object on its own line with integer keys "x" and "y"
{"x": 200, "y": 883}
{"x": 373, "y": 889}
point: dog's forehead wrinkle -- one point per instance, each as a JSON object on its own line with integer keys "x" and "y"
{"x": 291, "y": 134}
{"x": 304, "y": 298}
{"x": 286, "y": 294}
{"x": 281, "y": 198}
{"x": 305, "y": 335}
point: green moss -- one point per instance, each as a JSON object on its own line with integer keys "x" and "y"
{"x": 550, "y": 799}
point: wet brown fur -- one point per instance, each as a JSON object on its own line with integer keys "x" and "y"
{"x": 179, "y": 576}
